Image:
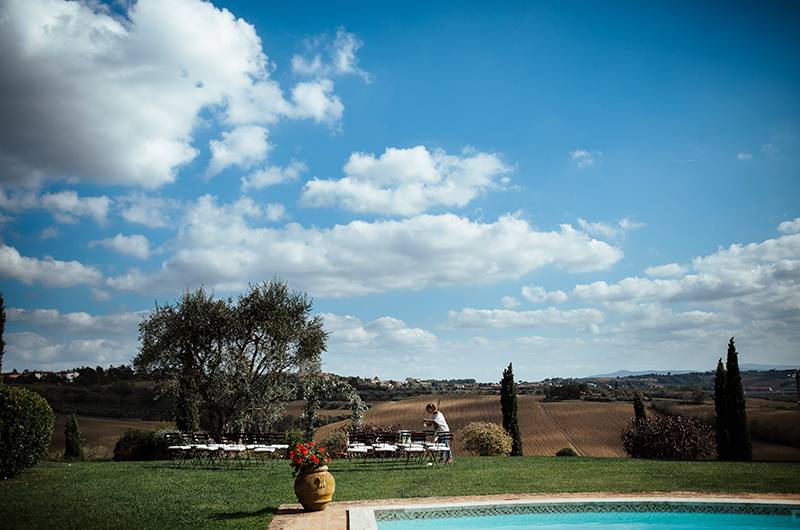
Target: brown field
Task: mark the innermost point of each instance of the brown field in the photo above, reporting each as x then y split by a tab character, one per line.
590	428
101	434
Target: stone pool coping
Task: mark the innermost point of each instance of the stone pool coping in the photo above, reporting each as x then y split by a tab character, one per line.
347	515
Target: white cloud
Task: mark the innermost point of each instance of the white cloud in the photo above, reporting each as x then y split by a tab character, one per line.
243	146
584	159
340	57
47	271
407	181
275	211
148	210
539	295
609	230
315	100
77	322
668	270
505	318
31	350
134	245
273	175
384	333
509	302
756	284
65	206
744	156
90	97
790	227
218	246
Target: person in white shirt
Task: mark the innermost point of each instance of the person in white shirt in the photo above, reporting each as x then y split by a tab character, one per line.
439	425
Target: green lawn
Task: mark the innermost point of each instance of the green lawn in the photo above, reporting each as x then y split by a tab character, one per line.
157	495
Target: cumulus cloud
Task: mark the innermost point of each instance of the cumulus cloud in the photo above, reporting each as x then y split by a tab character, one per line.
744	156
91	97
584	159
538	295
506	318
756	285
324	58
47	271
134	245
76	322
668	270
223	246
243	146
65	206
275	211
790	227
509	302
407	181
378	335
273	175
316	100
50	339
152	211
608	230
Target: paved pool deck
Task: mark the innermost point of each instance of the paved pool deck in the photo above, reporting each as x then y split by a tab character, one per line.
335	517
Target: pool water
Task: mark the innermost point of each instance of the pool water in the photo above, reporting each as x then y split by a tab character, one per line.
601	521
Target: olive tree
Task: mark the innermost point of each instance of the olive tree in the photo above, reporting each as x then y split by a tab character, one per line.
242	359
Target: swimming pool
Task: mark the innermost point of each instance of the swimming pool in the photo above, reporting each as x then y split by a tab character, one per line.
639	514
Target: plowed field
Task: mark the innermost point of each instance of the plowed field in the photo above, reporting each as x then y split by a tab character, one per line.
590	428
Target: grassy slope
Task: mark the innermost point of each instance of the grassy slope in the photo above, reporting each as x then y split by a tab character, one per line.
156	495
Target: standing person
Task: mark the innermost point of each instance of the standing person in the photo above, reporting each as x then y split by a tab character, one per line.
440	426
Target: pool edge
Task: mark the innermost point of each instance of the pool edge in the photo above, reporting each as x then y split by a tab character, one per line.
364	518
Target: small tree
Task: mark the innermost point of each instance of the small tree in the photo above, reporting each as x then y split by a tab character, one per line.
72	435
738	433
720	412
638	407
508	405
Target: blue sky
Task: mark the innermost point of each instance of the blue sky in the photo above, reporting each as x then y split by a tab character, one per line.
574	187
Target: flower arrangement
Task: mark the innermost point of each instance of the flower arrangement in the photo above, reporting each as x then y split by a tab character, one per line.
305	457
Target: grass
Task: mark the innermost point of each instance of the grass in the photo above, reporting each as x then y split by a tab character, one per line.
157	495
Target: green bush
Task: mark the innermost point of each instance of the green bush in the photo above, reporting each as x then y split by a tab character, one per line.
26	426
136	444
294	437
567	451
335	442
485	439
669	438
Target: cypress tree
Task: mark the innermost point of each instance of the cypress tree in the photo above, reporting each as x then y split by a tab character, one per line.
508	405
72	436
638	407
720	410
739	435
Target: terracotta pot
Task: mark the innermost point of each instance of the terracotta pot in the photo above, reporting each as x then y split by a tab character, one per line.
314	488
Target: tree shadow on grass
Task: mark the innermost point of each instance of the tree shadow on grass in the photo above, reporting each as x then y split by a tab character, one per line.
229	516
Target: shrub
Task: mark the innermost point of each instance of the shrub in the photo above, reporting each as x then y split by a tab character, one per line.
485	439
669	438
136	444
567	451
335	442
294	437
72	436
26	426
